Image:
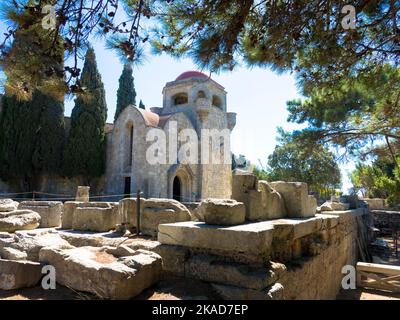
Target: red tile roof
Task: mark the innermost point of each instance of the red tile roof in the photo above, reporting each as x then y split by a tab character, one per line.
151	118
192	74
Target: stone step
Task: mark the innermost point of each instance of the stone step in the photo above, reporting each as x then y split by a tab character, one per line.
211	269
251	240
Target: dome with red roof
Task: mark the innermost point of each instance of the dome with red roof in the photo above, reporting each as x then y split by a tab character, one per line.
192	74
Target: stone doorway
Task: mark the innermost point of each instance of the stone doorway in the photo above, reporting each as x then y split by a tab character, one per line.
177	189
127	187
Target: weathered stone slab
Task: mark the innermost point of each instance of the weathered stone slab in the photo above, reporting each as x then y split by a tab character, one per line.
292	229
97	271
223	212
173	258
242	182
82	194
212	269
7	205
50	212
335	206
128	209
160	211
253	239
19	274
91	238
227	292
94	218
12	254
68	214
265	203
376	203
328	221
19	220
30	242
297	201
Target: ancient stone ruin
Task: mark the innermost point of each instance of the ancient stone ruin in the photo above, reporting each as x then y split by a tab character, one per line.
266	242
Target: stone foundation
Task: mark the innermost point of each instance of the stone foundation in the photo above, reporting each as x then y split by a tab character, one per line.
277	259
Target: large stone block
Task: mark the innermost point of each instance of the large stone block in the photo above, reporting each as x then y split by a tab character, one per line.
376	203
335	206
7	205
160	211
12	254
82	194
265	203
27	244
94	219
251	241
223	212
19	274
19	220
242	183
292	229
103	272
213	269
297	201
68	214
128	210
50	212
173	258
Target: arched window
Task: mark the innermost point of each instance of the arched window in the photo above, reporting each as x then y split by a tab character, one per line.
129	145
217	102
201	94
180	98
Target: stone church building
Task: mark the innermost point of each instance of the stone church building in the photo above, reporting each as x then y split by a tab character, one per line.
192	101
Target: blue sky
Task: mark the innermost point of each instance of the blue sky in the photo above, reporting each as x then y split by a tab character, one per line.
258	96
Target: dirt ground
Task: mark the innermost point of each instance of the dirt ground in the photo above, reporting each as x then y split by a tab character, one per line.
172	289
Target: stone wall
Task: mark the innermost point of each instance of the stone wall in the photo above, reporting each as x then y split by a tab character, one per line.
319	276
375	204
276	259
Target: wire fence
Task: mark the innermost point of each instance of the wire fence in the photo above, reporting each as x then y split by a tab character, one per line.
45	196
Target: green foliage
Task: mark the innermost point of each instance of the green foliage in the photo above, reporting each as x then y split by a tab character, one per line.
261	173
31	137
285	35
85	150
35	59
141	105
354	113
32	122
126	94
373	181
293	161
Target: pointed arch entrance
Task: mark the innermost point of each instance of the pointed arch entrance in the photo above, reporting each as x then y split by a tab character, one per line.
177	189
181	183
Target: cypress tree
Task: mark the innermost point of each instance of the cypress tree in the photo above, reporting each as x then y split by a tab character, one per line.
49	134
141	105
32	129
31	137
85	150
126	94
